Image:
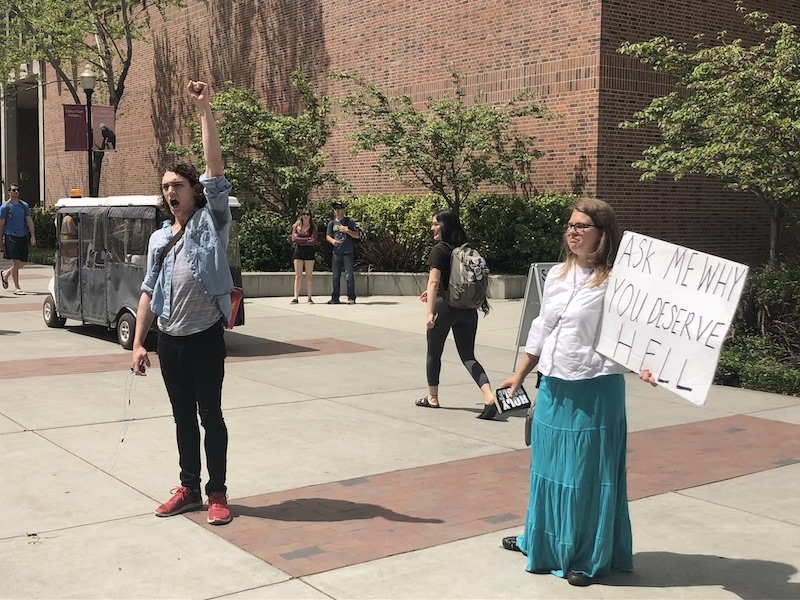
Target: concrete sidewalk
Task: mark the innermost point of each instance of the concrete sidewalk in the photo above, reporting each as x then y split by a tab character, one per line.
341	487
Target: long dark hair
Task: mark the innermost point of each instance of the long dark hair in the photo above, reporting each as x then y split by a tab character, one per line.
192	175
450	227
453	234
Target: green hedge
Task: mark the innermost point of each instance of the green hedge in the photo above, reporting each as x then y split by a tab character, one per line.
757	363
264	242
763	353
510	232
44	221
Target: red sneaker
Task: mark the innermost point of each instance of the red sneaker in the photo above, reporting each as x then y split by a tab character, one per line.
183	500
218	511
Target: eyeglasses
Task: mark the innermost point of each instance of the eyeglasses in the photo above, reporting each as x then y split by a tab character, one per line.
306	214
580	227
13	190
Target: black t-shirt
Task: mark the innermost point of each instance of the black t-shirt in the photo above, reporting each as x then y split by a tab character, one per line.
439	258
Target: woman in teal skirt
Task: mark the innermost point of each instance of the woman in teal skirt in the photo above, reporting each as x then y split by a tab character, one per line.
577	524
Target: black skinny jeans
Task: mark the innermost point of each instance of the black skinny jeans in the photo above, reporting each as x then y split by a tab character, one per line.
464	323
193	368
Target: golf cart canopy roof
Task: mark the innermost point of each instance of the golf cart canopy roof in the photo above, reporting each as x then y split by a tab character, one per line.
120	201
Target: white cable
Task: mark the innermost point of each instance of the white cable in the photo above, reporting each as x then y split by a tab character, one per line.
127	417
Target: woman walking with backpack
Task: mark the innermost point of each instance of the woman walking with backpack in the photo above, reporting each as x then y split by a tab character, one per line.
441	317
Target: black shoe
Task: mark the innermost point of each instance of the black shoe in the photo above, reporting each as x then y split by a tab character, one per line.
510	543
489	412
579	579
333	302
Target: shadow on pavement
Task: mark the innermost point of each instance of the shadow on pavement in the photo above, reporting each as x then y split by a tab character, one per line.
324	509
749	579
377	303
240	344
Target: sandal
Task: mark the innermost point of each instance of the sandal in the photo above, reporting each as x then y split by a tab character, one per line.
489	412
426	402
310	301
294	301
4	280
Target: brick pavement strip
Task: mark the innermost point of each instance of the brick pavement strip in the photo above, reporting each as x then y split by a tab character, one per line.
237	352
337	524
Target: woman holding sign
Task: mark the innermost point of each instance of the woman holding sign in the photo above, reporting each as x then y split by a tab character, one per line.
577	525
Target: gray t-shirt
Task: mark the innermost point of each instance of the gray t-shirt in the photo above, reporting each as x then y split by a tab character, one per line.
192	310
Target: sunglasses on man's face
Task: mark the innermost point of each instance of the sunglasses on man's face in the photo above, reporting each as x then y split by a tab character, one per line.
14	190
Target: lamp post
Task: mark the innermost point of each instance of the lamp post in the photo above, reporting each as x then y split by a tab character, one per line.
88	81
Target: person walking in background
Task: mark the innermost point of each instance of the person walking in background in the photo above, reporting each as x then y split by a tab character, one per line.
304	238
577	524
15	226
341	233
187	287
440	317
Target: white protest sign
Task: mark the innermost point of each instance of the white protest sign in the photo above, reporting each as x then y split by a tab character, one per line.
668	309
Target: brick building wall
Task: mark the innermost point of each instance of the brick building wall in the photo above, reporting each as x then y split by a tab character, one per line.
561	49
697	211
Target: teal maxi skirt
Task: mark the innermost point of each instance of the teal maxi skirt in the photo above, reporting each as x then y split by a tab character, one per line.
578	505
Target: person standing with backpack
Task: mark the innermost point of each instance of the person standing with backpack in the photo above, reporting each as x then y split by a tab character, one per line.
453	309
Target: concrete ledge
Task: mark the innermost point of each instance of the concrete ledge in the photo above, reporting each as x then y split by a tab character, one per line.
259	285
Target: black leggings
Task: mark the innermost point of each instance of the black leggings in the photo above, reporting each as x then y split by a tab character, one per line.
464	323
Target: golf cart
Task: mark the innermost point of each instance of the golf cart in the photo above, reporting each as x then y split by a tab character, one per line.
101	258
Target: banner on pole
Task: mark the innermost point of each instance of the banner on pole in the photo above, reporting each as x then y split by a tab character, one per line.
668	309
76	136
103	128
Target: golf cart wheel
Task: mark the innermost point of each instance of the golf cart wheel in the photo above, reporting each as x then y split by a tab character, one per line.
51	318
126	330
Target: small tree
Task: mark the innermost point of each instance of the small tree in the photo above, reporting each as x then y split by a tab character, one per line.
450	148
735	114
276	160
67	33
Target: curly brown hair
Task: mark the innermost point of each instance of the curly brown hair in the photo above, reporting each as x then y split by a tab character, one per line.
192	175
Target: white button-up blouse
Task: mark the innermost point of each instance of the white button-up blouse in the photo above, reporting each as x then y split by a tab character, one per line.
564	334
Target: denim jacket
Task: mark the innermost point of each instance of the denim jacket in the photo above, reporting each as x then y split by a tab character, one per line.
205	244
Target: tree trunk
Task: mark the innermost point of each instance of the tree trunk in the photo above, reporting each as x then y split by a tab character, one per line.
775	218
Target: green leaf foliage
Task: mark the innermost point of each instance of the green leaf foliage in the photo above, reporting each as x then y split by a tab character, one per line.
68	34
44	223
755	362
734	115
64	33
763	352
264	241
512	232
274	161
509	232
450	147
